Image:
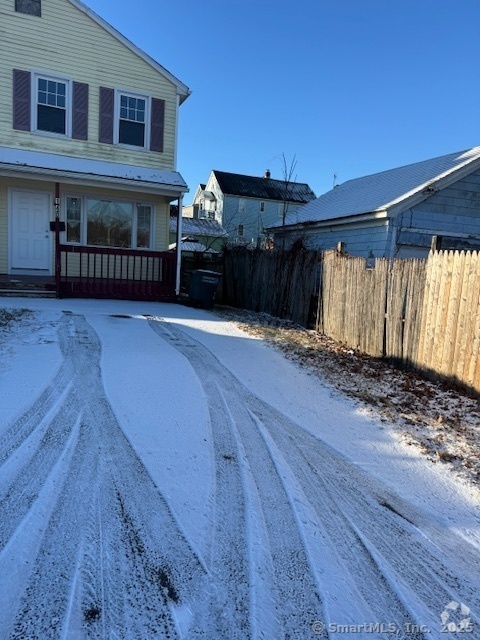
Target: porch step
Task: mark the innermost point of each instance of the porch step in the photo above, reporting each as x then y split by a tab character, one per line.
27	293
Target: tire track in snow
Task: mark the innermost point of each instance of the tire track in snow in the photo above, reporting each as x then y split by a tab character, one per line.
393	572
111	561
240	458
415	570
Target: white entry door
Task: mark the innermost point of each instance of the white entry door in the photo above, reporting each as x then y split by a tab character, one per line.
31	240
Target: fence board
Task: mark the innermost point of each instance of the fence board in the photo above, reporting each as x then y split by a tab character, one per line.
423	313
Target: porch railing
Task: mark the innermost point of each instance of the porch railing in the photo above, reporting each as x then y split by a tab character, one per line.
103	272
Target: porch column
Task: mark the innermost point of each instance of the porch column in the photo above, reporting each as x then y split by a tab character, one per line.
179	245
58	264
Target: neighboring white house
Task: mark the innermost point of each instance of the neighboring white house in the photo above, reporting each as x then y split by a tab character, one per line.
245	205
395	213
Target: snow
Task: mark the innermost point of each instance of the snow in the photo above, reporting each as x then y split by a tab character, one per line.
94	169
146	439
380	191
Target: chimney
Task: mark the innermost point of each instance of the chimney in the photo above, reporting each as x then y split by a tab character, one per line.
267	174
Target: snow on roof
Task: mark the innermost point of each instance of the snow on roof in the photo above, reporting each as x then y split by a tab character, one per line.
380	191
192	245
200	227
85	168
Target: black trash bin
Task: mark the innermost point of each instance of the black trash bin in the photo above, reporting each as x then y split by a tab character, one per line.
202	286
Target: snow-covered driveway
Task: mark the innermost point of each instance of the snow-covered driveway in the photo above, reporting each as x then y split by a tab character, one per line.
164	475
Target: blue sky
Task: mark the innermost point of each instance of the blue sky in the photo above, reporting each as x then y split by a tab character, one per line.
350	87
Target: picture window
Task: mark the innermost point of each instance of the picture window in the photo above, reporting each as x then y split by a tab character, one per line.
108	223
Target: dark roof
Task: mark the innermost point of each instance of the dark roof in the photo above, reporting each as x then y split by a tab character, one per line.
235	184
207	228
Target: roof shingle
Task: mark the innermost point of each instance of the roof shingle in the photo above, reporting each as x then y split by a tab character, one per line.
236	184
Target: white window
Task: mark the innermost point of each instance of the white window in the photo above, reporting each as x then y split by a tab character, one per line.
108	223
51	105
241	205
282	208
132	124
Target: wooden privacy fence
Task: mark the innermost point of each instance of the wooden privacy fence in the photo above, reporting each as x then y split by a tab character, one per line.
376	310
424	314
449	342
281	283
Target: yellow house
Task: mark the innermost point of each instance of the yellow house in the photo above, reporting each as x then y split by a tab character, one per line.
88	134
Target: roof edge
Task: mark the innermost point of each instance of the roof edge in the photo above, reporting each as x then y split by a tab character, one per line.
182	90
358	217
447	177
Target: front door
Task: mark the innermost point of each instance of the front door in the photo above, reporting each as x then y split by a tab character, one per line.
31	241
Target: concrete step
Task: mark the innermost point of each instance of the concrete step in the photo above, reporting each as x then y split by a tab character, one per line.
27	293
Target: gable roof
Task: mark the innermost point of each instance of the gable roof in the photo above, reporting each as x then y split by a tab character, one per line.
236	184
182	90
382	191
194	226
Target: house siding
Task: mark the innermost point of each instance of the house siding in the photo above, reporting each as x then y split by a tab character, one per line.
161	205
368	239
253	220
94	57
451	211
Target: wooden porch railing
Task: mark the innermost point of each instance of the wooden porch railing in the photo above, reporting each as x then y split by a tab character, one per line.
103	272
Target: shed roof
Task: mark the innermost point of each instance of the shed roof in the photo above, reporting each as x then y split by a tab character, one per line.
194	226
381	191
57	167
236	184
193	246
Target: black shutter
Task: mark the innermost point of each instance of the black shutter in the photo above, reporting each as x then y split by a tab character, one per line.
106	115
157	125
22	99
80	111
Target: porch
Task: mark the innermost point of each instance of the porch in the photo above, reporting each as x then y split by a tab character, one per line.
103	272
100	272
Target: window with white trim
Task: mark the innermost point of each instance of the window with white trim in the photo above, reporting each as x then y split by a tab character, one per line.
241	205
133	121
52	104
108	223
240	230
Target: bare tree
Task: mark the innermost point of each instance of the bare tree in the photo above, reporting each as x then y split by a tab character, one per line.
289	179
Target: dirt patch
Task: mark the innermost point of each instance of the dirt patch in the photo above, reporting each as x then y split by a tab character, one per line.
442	421
9	316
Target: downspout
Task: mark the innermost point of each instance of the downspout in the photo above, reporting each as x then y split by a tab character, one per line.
179	245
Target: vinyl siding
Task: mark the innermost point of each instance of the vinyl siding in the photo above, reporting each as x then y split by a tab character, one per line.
368	239
453	210
252	218
161	223
66	41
